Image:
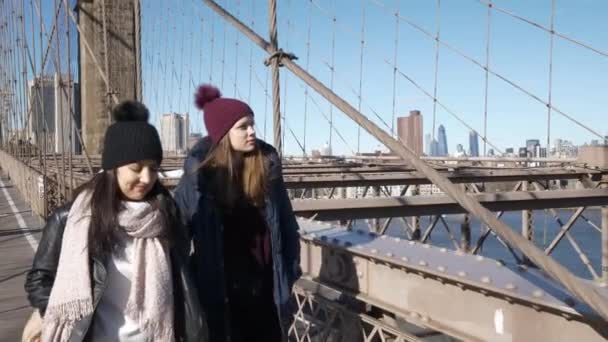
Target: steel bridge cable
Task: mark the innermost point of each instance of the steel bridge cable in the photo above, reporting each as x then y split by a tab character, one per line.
105	58
276	108
71	101
451	112
486	74
223	54
286	79
549	96
327	118
496	74
540	26
268	97
437	35
332	71
378	116
360	95
307	68
252	23
395	55
580	289
236	48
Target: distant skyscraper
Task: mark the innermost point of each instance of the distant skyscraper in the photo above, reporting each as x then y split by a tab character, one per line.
52	101
174	129
442	142
434	148
531	146
460	152
473	144
409	130
427	144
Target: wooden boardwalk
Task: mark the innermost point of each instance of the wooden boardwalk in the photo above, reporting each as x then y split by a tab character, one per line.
20	232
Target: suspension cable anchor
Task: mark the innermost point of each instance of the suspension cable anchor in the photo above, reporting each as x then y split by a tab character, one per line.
280	54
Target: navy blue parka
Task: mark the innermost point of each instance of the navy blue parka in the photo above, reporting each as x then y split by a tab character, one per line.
203	217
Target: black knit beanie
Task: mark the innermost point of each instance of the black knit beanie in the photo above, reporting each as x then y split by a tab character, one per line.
130	138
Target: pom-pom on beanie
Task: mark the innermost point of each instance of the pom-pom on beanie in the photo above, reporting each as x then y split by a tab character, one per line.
220	113
130	138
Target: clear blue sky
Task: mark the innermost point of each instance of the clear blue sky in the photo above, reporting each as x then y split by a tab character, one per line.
187	44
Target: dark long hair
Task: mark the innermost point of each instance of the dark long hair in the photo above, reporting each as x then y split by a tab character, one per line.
106	203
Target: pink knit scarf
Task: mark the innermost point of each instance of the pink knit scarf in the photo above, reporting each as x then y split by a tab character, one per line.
150	301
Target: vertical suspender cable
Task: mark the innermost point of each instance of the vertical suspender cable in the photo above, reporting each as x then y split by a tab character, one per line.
486	68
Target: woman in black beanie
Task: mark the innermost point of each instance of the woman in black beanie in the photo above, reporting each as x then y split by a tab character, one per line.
113	265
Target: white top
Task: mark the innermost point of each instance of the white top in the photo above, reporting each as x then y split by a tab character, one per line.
109	322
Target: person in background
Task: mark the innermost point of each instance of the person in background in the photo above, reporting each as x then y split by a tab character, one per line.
113	265
246	241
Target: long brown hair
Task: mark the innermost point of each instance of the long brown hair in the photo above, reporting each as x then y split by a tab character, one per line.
234	174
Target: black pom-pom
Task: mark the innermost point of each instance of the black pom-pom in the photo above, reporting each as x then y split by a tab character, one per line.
204	94
130	111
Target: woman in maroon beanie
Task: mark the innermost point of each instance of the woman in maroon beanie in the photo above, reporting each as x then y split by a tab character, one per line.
245	236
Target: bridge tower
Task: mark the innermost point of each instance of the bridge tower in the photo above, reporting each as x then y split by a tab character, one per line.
110	64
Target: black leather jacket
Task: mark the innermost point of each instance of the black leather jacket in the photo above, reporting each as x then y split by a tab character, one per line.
190	322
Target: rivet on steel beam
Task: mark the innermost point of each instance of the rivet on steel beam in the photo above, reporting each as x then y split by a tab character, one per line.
486	280
462	274
538	293
374	251
479	258
405	259
422	263
389	254
441	268
511	287
443	250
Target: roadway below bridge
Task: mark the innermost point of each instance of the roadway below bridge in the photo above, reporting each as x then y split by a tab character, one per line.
20	231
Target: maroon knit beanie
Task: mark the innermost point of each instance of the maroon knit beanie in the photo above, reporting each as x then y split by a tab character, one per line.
220	113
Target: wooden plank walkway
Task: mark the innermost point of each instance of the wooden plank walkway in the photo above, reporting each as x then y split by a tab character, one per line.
20	232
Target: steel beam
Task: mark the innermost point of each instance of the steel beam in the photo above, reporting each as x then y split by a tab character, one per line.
353	177
341	209
472	298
